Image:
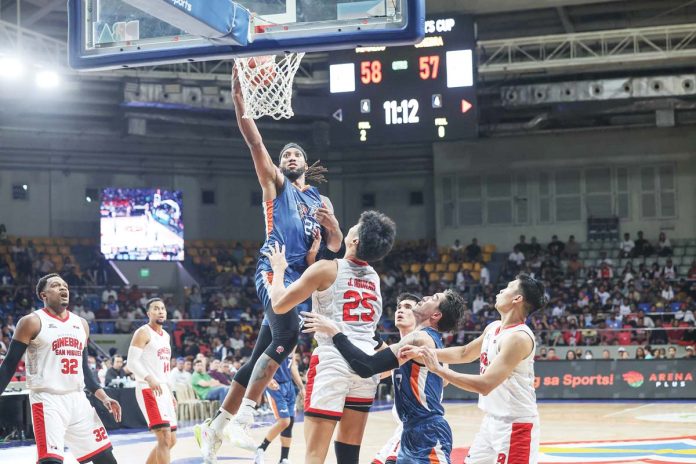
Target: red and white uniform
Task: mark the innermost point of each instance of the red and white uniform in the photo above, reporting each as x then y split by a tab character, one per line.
61	413
509	432
355	302
390	450
158	410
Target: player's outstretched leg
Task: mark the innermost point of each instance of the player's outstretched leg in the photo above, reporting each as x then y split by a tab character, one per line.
209	434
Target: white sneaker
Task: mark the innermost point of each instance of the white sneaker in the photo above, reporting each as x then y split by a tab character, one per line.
208	441
238	431
258	459
285	461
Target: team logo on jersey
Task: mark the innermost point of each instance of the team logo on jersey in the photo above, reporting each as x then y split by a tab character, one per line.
52	326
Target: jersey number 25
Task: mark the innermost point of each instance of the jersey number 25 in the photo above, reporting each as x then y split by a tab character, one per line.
356	299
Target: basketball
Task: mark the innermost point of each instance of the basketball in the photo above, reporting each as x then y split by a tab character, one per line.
262	71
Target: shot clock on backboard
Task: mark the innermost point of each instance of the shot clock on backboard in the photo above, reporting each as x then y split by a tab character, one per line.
421	93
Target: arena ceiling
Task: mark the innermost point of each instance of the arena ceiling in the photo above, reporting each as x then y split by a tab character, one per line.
95	104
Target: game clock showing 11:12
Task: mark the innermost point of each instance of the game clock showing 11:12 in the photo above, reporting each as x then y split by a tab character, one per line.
408	94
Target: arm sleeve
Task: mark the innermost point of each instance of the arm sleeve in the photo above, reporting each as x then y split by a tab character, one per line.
134	355
325	253
91	384
363	364
9	365
378	339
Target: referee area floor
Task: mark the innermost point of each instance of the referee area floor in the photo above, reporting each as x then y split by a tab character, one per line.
571	432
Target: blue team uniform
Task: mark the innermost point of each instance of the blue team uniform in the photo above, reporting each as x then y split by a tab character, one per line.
290	221
427	437
282	401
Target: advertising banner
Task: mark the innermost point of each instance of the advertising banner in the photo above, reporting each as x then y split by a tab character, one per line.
598	379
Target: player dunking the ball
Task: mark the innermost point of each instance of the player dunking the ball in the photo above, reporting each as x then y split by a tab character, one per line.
346	291
509	432
294	213
55	341
149	358
426	436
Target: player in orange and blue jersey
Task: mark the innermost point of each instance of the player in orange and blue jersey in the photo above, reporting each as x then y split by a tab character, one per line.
426	437
297	217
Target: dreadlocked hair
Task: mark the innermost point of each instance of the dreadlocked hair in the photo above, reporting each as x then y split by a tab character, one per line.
315	173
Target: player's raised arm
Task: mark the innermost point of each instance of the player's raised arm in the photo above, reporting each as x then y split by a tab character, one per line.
327	218
28	328
268	174
363	364
318	276
516	348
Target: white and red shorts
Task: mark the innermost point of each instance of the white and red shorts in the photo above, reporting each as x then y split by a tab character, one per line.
505	441
67	420
333	386
158	410
390	450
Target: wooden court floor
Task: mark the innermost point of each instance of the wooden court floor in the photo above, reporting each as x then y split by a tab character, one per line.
655	432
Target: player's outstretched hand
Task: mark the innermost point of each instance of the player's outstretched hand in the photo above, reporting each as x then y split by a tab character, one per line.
430	359
327	219
273	385
314	249
113	407
408	352
276	256
316	323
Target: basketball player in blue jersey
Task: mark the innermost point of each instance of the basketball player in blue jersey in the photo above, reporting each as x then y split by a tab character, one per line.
293	211
426	437
281	395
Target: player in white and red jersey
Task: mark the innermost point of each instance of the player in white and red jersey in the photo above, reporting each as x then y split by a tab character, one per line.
509	433
149	357
55	341
346	291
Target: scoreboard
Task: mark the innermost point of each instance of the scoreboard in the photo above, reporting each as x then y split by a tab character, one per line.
421	93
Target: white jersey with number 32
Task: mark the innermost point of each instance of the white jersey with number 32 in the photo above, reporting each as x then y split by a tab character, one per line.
54	357
515	397
156	358
354	300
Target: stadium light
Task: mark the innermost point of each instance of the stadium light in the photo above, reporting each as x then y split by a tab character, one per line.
47	79
10	67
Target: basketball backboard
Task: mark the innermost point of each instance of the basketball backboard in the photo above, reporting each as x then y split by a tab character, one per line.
109	34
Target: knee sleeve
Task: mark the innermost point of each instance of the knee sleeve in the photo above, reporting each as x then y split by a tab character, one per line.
346	454
262	342
287	431
285	331
105	457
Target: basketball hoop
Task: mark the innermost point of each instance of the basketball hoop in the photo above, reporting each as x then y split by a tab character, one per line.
266	83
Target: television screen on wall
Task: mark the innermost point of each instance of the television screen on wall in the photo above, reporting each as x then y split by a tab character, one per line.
142	224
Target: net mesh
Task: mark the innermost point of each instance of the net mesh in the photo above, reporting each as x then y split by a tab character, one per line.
266	83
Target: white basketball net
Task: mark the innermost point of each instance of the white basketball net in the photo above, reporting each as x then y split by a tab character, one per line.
267	84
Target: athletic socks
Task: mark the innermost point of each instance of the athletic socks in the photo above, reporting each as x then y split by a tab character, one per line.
284	452
220	421
265	444
245	415
346	454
